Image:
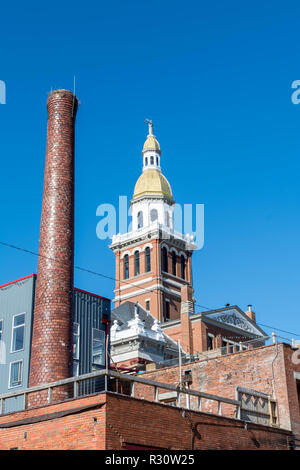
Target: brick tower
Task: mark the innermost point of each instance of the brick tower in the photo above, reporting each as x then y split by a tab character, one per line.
153	261
51	351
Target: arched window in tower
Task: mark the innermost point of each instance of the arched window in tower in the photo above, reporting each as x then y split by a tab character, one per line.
167	219
136	263
126	267
146	161
173	263
165	259
148	259
153	215
140	219
182	264
151	160
157	161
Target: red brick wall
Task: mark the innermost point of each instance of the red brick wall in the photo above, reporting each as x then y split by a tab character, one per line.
124	420
149	424
77	431
252	369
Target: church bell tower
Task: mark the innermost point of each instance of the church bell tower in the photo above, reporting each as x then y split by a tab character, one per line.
153	261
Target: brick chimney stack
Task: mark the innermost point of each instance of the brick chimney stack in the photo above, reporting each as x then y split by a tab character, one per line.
250	313
51	351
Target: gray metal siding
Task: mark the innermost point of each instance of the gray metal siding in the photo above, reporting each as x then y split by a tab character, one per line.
16	298
88	311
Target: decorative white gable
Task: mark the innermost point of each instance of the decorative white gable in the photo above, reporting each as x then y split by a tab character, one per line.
235	318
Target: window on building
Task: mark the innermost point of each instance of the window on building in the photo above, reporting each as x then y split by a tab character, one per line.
15	373
167	313
18	332
76	340
75	368
257	407
173	263
126	267
148	305
98	353
157	161
146	161
153	215
151	160
136	263
165	259
1	329
209	342
182	265
167	219
140	218
148	259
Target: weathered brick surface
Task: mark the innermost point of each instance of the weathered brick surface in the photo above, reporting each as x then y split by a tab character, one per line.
51	353
150	424
157	296
125	420
82	430
268	369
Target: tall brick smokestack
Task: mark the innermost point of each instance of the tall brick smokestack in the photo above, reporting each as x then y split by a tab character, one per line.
51	351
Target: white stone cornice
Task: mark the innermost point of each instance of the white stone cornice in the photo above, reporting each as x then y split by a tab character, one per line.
146	290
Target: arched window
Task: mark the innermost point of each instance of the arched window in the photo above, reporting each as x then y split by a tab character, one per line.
148	259
140	219
167	312
182	264
167	219
173	263
136	263
151	160
165	259
157	161
126	267
146	161
153	215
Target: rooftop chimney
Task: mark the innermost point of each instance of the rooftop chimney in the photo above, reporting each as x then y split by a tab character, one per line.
51	351
250	313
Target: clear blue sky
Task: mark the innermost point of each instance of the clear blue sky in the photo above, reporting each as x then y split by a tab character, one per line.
215	77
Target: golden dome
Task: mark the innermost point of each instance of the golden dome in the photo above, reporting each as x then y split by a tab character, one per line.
151	144
152	182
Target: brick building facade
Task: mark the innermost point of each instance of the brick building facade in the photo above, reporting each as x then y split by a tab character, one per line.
116	422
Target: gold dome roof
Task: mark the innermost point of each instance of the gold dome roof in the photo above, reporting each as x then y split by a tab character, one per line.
151	144
152	182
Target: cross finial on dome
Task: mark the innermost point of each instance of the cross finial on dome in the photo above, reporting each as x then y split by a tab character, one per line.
150	124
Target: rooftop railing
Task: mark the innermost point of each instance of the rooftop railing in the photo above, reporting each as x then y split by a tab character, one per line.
230	348
132	381
167	231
